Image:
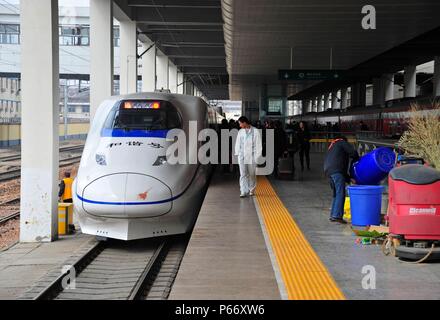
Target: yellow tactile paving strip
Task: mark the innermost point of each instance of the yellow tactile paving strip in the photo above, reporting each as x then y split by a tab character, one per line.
304	275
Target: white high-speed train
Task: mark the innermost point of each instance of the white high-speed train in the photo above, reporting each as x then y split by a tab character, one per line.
125	188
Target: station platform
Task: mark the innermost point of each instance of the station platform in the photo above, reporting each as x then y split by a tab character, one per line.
276	245
227	257
310	257
25	264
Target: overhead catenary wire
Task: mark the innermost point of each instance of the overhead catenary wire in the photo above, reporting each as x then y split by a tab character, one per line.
168	29
14	8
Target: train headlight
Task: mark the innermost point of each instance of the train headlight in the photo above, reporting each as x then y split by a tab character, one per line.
160	161
101	160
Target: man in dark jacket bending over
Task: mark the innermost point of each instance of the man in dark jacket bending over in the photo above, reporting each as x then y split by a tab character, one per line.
336	167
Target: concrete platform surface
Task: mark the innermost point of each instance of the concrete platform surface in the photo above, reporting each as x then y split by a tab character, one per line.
24	264
227	257
308	199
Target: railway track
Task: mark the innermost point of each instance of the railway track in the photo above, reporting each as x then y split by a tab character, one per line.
135	270
15	213
16	173
9	217
10	202
17	157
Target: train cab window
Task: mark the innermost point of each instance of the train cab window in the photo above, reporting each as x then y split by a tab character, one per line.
144	115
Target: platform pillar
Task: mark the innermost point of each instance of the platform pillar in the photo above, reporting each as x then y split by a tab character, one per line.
344	94
180	84
318	103
326	101
189	87
172	76
162	72
359	94
149	67
101	53
410	81
388	86
436	89
377	91
40	116
304	106
335	100
128	59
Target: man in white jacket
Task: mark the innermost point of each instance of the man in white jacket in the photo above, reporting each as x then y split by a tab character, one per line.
248	148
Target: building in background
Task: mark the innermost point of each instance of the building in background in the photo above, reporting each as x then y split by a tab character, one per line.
74	38
10	104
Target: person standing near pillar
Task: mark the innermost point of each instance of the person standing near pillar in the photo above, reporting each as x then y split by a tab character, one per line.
336	167
65	193
248	148
303	136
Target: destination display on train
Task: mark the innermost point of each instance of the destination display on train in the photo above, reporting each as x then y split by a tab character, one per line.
141	105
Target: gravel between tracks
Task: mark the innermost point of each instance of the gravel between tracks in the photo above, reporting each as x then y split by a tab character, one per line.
9	190
10	231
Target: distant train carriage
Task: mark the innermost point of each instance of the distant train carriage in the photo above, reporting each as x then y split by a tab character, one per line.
387	122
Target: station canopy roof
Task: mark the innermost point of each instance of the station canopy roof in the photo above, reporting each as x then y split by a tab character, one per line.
244	43
190	33
261	33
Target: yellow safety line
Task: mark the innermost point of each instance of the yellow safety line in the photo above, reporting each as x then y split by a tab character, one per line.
304	274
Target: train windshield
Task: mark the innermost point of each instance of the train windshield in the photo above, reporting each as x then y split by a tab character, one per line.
144	115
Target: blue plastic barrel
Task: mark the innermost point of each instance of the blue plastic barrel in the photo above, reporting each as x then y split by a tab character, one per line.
372	168
366	205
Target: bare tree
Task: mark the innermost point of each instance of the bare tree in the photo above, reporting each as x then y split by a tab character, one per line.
422	138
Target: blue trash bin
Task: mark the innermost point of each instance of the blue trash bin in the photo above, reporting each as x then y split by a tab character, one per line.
372	168
365	204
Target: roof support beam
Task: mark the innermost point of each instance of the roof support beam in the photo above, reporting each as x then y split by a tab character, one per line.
170	16
199	4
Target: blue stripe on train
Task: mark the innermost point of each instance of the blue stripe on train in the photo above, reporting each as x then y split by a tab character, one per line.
127	203
122	133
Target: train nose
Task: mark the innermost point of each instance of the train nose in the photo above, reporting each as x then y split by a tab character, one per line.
127	195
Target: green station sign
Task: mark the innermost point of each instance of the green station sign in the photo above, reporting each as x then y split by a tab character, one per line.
298	75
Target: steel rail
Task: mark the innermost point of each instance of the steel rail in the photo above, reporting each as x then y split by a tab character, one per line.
138	289
9	217
16	173
54	288
8	202
62	150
